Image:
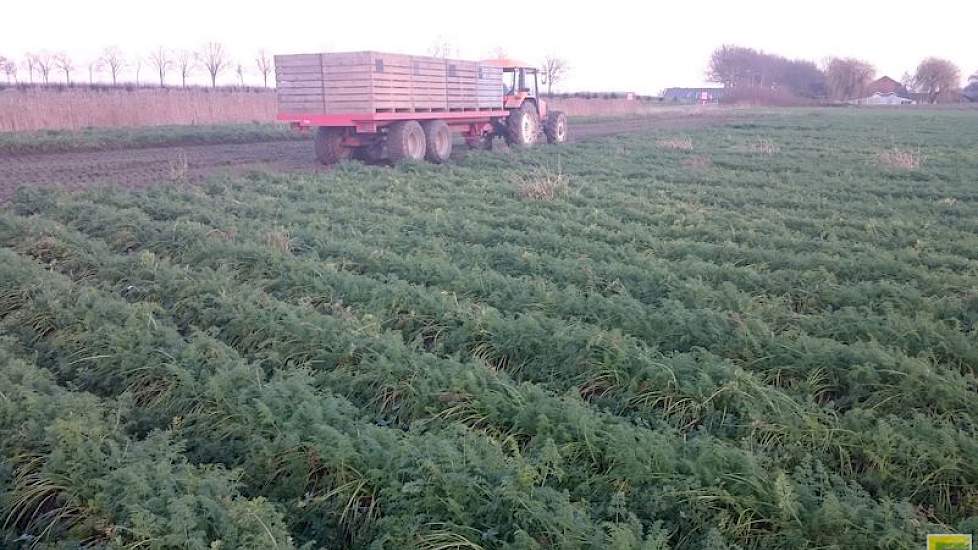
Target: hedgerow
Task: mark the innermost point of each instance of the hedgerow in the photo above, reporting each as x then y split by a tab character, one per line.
771	351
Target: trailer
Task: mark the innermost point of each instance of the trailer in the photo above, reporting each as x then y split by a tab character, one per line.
378	106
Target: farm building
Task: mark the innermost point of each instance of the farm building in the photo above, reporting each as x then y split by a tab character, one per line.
885	91
693	95
883	99
887	85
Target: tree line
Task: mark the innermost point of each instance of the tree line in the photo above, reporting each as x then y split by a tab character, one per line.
212	58
839	78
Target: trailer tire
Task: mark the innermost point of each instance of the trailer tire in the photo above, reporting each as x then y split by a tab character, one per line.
556	127
406	141
438	138
523	126
329	145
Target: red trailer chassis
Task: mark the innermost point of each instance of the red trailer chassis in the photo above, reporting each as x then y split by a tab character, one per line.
472	124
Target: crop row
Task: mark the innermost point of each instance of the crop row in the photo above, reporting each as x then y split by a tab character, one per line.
71	472
657	469
700	388
933	310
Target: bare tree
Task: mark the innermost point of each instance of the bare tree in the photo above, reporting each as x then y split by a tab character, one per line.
938	78
240	71
739	67
442	47
95	67
734	66
264	64
138	62
161	60
64	63
214	58
907	80
554	70
42	63
186	64
113	59
847	78
9	68
30	65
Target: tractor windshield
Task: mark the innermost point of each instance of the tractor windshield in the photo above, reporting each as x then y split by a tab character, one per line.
509	81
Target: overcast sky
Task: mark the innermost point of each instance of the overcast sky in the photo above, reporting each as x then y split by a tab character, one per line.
609	44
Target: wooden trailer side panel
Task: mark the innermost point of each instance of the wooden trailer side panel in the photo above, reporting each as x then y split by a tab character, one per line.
461	78
489	87
404	83
348	82
373	82
299	85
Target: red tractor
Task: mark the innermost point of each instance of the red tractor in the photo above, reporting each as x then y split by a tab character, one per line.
387	106
528	112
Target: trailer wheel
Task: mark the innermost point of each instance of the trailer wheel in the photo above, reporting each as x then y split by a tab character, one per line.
329	145
406	141
556	127
523	125
438	138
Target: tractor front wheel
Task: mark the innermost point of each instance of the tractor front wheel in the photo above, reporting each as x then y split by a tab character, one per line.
329	145
523	126
406	141
556	127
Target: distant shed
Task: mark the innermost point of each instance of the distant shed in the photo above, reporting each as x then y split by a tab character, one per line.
693	95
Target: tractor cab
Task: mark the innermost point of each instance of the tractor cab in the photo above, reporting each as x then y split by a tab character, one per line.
520	83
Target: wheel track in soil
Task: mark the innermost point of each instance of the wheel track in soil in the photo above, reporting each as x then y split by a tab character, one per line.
192	163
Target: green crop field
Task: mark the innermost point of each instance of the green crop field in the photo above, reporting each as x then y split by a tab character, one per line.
762	334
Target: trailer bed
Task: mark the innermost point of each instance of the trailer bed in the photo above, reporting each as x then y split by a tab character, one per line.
374	83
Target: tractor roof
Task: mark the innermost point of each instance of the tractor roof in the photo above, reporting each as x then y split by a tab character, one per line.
507	63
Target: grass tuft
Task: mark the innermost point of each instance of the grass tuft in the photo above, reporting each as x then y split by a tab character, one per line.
676	144
697	163
763	146
901	159
279	239
542	184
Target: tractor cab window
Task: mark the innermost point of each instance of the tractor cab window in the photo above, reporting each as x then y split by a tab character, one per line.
509	81
520	80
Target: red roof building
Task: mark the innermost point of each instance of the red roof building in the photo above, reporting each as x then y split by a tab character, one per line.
886	86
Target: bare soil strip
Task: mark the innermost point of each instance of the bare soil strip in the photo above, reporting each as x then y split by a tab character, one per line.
145	166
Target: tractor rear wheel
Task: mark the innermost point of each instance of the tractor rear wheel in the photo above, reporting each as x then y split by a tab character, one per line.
438	138
329	145
406	141
556	127
523	126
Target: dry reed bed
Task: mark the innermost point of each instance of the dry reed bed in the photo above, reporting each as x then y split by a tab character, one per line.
25	110
73	109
